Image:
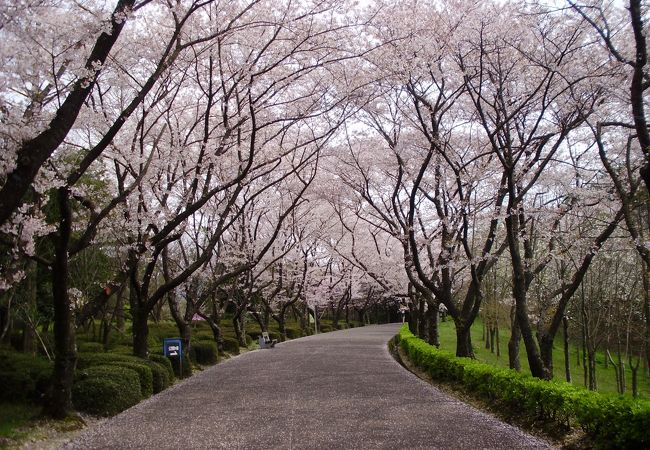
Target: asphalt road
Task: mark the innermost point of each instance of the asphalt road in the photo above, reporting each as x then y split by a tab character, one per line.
339	390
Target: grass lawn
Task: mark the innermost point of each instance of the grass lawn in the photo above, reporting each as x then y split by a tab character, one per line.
13	416
606	377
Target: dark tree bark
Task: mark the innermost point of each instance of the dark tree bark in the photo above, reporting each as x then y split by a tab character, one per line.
513	343
567	357
34	152
59	405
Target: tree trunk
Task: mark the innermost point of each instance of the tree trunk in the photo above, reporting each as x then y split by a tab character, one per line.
239	329
519	288
140	318
433	335
182	324
282	326
422	320
646	313
464	341
59	404
567	357
593	382
513	343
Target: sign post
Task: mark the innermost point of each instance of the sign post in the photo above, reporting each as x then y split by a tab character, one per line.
173	348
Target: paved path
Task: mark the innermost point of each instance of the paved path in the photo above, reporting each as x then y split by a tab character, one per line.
338	390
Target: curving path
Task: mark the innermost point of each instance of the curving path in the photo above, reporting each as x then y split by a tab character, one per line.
329	391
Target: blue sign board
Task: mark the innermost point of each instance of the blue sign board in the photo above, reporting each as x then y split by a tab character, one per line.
173	347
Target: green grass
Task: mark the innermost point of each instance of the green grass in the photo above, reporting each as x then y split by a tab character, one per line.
14	416
605	376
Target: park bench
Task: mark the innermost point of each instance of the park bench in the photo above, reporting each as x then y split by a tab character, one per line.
266	341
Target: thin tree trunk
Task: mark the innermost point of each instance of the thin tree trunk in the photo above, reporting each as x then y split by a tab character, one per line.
59	404
432	325
513	343
567	357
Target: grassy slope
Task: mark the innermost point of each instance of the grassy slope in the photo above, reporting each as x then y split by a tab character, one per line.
606	377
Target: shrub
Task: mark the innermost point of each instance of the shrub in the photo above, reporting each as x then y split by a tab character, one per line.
90	347
293	333
204	352
231	345
144	372
611	421
24	377
165	362
249	340
106	390
254	333
160	374
325	328
86	360
203	335
122	349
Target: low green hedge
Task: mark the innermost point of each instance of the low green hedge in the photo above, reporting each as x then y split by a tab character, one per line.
293	333
144	372
230	345
204	352
106	390
160	375
90	347
24	377
86	360
611	421
185	365
162	372
165	362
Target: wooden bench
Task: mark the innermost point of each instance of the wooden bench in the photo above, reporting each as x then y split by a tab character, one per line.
266	341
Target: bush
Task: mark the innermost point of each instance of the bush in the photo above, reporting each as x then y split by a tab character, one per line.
24	377
249	340
160	375
165	362
122	349
230	345
144	372
254	333
293	333
106	390
325	328
177	366
203	335
86	360
204	352
611	421
90	347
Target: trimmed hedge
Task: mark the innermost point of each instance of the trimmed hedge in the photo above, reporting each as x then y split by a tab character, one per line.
186	366
230	345
160	367
144	372
611	421
293	333
160	375
24	377
165	362
90	347
106	390
204	352
86	360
